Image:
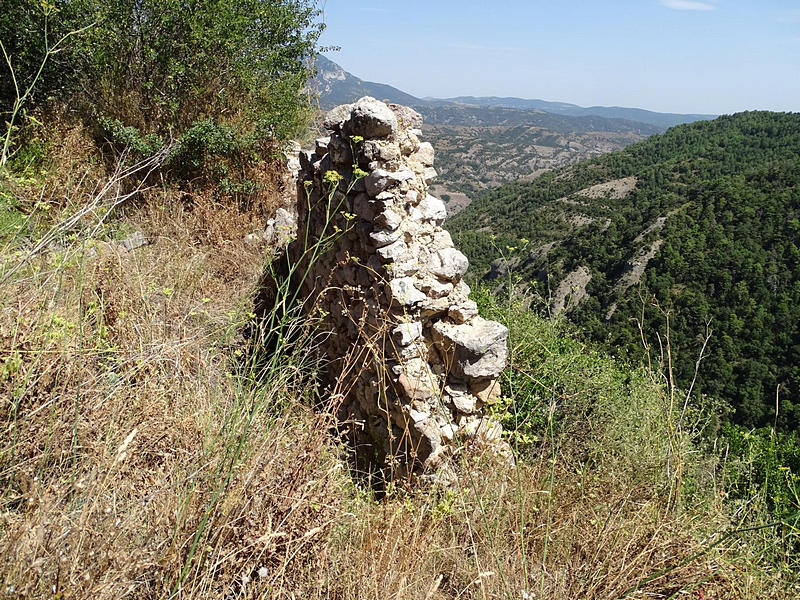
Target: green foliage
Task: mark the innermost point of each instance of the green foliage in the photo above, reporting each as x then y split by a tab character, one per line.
19	88
765	464
728	192
126	136
556	385
27	28
166	65
220	77
11	218
762	482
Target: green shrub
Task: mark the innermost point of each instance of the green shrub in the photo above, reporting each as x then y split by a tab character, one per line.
554	385
761	471
165	65
764	463
27	28
220	77
11	219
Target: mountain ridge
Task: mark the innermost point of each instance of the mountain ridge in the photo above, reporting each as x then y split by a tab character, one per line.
642	115
338	86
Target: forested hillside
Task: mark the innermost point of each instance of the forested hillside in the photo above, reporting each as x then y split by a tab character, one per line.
701	223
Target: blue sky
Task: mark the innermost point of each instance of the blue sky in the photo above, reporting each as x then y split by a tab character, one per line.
710	56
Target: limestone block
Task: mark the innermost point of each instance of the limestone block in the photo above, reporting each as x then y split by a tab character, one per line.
435	307
442	239
485	430
475	350
402	290
435	288
379	150
405	266
418	416
393	251
137	239
449	431
388	219
407	117
383	237
337	116
414	390
486	390
461	313
407	333
321	145
450	264
464	402
380	180
409	143
371	118
339	151
424	154
432	209
431	433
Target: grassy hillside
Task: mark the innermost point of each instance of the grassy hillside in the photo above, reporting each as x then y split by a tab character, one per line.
144	455
152	447
700	222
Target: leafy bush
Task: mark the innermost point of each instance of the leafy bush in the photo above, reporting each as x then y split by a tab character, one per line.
761	469
164	65
219	76
27	28
554	385
764	463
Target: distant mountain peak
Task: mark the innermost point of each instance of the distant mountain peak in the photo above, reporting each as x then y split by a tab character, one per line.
336	86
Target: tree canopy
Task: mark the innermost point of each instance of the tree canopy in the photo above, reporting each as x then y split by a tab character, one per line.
722	198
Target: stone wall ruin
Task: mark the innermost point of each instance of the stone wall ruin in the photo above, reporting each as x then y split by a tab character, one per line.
413	361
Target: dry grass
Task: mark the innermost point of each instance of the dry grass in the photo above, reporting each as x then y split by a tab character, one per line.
140	458
127	420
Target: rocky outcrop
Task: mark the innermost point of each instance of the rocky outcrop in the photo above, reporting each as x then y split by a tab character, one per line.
412	362
571	291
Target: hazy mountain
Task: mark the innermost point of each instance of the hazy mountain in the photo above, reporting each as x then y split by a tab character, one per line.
336	86
446	113
663	120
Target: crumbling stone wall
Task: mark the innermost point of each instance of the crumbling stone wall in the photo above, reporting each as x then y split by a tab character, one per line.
413	361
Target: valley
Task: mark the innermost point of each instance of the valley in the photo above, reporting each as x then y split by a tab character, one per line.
475	158
485	142
700	223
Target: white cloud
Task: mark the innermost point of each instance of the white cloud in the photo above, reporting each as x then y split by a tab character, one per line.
687	5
